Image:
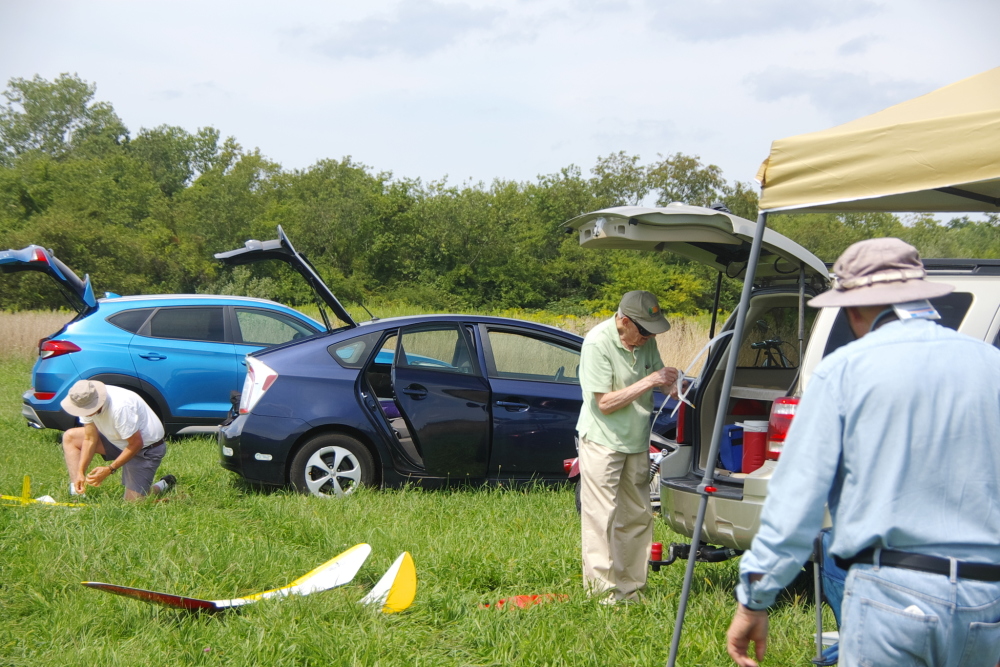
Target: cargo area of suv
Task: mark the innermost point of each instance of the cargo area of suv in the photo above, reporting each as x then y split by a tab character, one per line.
769	393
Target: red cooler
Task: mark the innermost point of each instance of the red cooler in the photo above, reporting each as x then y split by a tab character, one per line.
754	445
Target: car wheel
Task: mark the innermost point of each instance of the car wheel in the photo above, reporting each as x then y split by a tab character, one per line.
332	465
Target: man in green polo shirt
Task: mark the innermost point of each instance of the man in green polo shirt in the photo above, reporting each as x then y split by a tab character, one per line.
619	367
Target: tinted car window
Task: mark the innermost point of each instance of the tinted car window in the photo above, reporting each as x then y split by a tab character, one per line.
188	324
521	357
772	339
130	320
353	353
261	327
443	349
952	308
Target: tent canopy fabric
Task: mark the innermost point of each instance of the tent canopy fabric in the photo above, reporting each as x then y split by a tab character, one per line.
936	153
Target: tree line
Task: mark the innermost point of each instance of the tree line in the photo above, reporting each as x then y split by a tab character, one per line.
144	212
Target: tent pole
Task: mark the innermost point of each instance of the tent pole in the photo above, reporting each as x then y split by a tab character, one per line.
802	311
720	418
715	305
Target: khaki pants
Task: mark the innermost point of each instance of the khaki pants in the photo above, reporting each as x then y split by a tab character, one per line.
617	520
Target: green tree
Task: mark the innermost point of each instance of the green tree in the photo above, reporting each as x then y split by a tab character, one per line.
619	180
55	117
683	178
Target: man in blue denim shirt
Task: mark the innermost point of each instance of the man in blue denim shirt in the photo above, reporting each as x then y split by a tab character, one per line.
899	434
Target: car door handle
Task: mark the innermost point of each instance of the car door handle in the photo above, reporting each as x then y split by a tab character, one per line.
416	392
153	356
512	406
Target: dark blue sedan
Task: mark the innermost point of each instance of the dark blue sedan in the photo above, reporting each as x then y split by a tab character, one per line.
430	398
435	398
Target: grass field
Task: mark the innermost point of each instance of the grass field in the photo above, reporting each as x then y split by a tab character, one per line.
216	538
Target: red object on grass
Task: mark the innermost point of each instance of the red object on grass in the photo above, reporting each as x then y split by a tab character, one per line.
525	601
656	553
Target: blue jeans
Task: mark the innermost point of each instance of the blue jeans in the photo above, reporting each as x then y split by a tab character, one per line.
901	617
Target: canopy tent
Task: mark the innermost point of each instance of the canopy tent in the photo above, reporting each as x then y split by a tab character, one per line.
935	153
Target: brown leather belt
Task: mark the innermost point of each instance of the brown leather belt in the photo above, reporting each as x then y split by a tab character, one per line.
922	563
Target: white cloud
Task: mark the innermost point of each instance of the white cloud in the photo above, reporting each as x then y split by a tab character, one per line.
416	28
842	95
719	20
857	46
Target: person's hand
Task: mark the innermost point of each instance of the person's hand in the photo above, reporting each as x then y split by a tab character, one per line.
664	377
98	475
747	626
80	486
682	385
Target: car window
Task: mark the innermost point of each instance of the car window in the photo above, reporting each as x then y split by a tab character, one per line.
263	327
771	340
951	307
201	323
521	357
441	348
130	320
353	353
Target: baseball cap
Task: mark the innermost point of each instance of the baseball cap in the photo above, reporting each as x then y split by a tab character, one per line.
642	308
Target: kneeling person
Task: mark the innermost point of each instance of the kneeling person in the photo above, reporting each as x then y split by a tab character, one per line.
118	425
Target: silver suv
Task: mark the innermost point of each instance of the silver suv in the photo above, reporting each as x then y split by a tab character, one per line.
783	341
733	512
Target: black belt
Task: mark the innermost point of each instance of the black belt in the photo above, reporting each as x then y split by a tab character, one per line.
922	563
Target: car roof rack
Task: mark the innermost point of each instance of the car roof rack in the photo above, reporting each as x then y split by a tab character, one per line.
988	267
983	266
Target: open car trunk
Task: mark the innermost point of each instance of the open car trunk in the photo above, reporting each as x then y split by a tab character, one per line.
769	349
281	249
79	293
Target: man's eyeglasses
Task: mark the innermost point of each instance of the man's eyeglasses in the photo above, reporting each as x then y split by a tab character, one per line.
642	332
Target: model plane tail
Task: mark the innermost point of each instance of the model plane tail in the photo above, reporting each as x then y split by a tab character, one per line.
397	588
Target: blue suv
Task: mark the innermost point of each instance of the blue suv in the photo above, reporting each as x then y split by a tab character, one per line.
184	354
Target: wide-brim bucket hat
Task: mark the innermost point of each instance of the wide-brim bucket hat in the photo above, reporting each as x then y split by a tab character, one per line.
879	272
85	398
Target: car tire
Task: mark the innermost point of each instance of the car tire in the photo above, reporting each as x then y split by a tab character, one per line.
332	465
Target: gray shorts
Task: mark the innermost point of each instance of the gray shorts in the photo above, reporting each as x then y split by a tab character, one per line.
138	473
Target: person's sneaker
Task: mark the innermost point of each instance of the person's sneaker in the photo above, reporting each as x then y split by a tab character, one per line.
166	483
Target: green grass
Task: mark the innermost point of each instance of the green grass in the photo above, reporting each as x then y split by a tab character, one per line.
216	538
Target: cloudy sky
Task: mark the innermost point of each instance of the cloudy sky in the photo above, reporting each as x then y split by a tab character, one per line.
484	89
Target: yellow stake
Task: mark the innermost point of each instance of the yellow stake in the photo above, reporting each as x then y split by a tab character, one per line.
26	490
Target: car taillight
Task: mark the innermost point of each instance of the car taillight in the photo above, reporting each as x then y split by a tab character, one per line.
44	395
259	380
55	348
681	421
782	412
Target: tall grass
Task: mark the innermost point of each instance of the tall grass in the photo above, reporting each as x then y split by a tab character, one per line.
21	331
217	538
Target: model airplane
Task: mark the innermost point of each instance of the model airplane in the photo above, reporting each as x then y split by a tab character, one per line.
397	588
26	499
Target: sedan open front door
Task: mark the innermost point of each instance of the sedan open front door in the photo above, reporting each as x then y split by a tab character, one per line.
444	400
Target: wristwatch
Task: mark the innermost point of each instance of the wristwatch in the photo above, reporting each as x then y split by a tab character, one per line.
112	467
